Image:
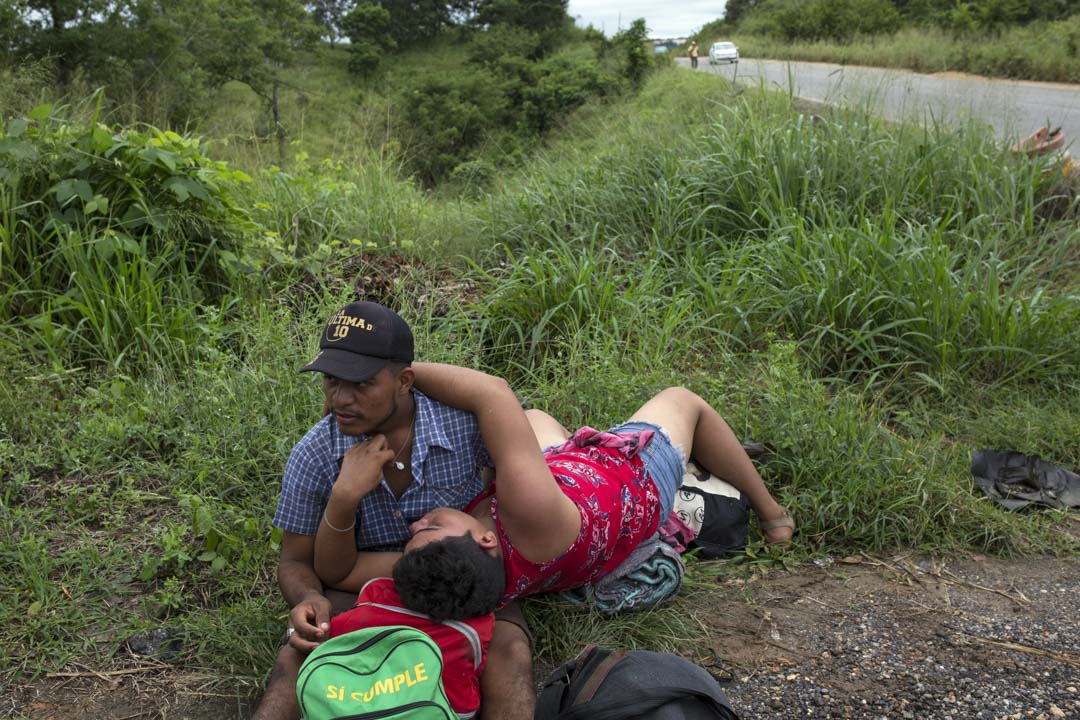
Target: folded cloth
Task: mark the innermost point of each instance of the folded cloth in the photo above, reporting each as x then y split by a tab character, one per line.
627	443
676	533
651	575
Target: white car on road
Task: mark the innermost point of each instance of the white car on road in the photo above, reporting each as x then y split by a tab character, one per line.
723	52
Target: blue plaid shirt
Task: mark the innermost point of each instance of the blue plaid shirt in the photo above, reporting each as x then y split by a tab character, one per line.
447	458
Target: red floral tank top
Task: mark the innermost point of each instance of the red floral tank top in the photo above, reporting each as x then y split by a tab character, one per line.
619	505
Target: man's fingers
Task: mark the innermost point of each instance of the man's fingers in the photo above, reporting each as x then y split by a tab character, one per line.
299	643
322	618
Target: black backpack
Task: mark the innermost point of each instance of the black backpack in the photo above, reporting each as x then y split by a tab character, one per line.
604	685
717	512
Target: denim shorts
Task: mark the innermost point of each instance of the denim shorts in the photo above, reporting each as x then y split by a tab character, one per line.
663	462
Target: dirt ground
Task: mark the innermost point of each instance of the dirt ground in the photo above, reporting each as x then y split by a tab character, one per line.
856	637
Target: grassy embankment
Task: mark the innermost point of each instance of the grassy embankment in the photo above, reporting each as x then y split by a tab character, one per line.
874	302
1045	51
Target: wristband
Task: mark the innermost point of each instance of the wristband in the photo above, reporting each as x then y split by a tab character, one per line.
337	529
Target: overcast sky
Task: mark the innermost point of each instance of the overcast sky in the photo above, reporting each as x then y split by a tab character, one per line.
671	18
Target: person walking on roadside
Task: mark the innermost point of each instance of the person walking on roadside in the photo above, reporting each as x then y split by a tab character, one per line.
434	454
692	53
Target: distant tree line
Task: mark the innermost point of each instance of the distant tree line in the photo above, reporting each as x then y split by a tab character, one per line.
844	19
527	65
176	52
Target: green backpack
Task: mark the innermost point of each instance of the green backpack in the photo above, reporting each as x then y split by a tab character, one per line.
378	672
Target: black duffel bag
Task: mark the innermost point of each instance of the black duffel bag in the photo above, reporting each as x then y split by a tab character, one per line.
604	685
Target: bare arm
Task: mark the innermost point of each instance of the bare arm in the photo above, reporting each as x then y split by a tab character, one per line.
369	565
309	610
335	554
540	519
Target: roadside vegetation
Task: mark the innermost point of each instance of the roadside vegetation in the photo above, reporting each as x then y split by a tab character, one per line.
1021	40
874	302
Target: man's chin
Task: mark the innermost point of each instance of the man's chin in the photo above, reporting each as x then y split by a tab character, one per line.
352	426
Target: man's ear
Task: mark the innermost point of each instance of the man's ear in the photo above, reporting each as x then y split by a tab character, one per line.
405	380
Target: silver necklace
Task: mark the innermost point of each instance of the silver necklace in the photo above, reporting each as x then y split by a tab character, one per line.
397	463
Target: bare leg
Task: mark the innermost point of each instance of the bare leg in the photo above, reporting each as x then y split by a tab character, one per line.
279	700
506	685
547	429
702	433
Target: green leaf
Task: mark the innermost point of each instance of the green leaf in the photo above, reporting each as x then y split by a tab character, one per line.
34	609
179	188
18	149
160	157
102	139
84	191
208	555
64	191
17	127
184	188
218	564
41	111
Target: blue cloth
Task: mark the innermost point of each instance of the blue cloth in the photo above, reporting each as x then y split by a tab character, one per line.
664	463
446	461
651	575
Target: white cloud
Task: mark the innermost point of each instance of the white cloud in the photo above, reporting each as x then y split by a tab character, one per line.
664	19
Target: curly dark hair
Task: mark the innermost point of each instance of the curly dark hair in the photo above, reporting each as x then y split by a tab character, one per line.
451	579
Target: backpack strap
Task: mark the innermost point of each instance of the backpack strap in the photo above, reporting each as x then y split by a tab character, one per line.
635	704
599	672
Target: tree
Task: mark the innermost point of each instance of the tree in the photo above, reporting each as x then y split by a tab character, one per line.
176	49
632	42
366	27
534	15
735	9
329	15
412	21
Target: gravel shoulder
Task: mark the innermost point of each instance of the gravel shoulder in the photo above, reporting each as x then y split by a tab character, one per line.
857	637
905	638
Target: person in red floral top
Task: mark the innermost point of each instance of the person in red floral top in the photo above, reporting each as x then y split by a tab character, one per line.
560	518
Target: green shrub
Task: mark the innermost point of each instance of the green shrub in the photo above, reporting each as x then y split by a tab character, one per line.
562	83
473	177
822	19
112	238
442	120
501	41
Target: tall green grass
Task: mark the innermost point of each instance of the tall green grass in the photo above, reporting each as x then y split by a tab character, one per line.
882	250
874	302
1039	51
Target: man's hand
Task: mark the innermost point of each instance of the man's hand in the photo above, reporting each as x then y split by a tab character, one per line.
361	470
310	619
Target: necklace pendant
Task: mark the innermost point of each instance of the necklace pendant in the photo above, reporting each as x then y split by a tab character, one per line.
399	465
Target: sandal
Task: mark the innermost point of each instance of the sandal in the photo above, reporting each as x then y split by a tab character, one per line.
784	521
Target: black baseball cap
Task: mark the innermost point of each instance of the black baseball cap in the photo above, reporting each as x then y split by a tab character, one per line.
359	340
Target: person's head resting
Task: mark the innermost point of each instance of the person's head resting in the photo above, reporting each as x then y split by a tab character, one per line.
452	568
365	353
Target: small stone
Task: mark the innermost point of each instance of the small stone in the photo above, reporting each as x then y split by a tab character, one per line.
1056	711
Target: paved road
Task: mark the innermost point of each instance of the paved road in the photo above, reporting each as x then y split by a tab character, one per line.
1011	107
